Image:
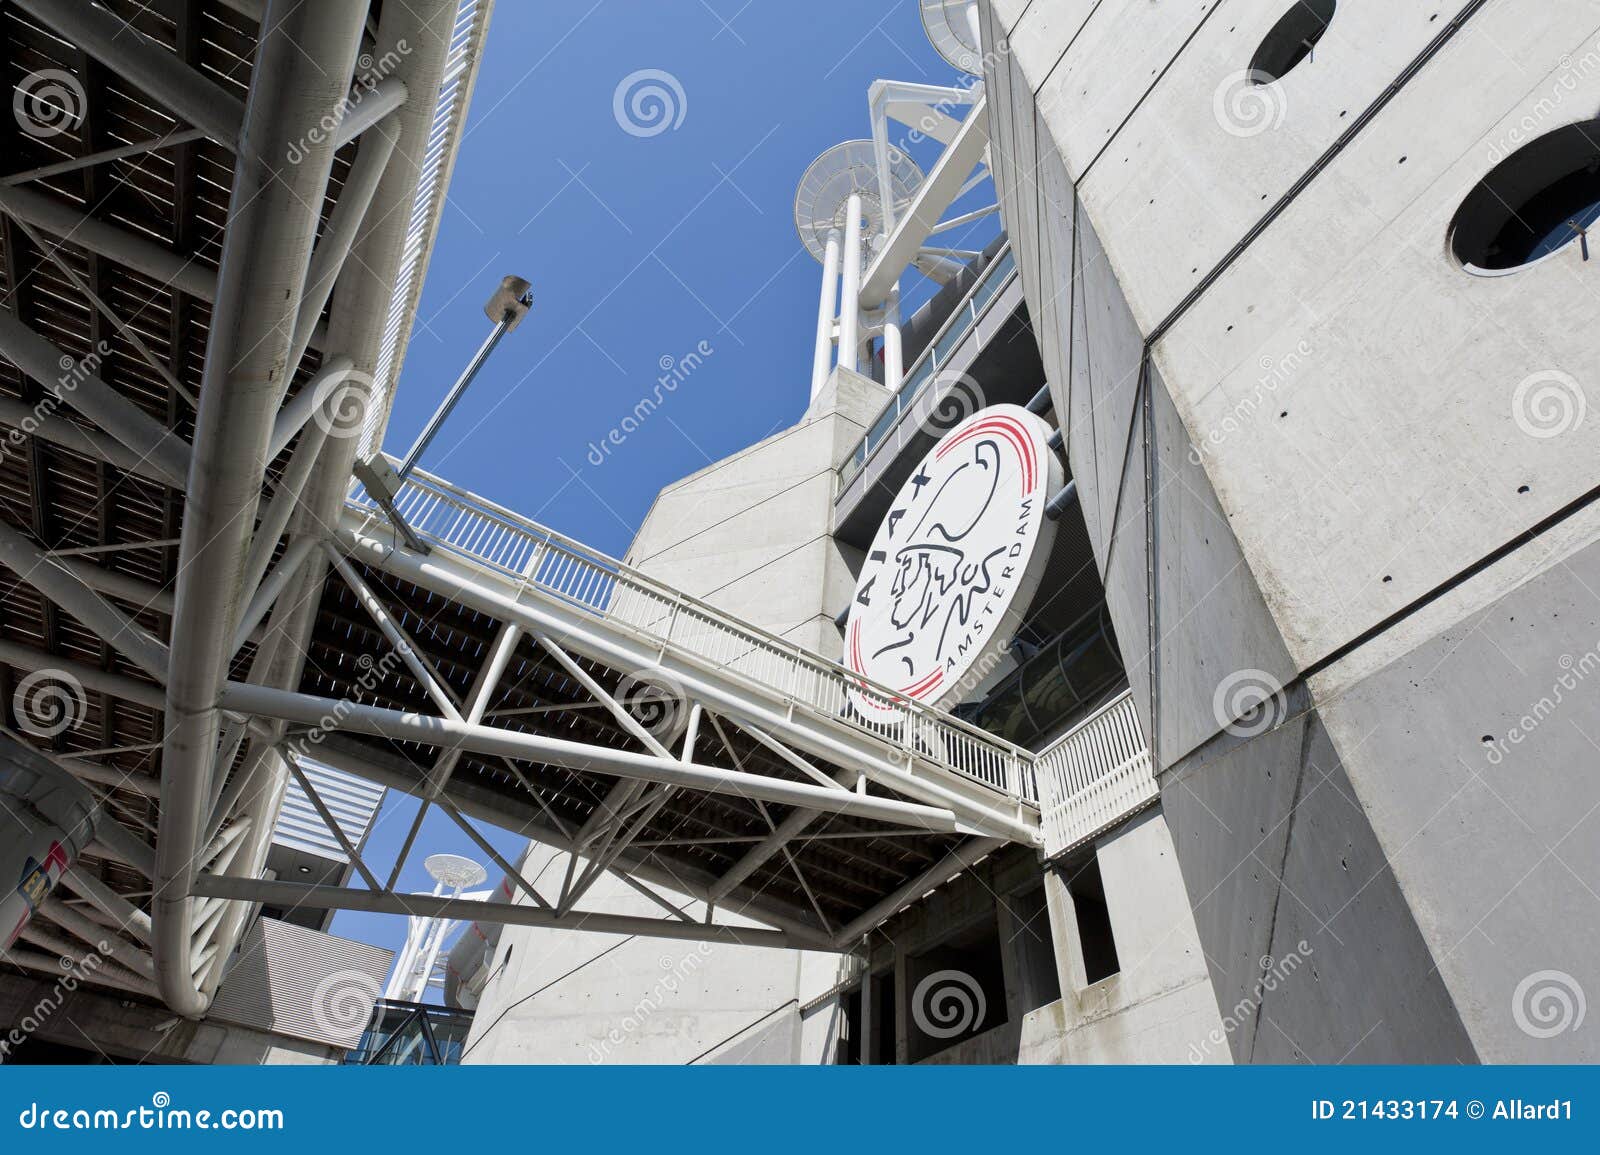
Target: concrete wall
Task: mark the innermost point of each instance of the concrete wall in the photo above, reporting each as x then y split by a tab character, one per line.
118	1029
1159	1006
1293	421
751	533
576	997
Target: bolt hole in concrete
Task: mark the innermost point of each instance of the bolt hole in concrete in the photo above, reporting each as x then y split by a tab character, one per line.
1292	39
1537	201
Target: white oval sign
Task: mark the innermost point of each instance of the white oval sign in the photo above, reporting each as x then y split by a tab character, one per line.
955	563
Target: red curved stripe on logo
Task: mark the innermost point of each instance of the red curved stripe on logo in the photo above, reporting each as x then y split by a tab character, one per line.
917	689
1012	431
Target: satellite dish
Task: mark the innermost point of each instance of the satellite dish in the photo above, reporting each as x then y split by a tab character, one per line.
824	192
455	871
949	25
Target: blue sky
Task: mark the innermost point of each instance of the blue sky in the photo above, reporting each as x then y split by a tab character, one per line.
639	248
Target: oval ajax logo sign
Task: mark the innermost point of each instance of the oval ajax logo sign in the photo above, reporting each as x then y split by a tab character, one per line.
955	563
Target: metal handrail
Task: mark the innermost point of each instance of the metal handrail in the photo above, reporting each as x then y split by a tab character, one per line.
491	535
1001	271
1094	776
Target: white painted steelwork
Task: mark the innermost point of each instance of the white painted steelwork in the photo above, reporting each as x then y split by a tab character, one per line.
543	562
1096	775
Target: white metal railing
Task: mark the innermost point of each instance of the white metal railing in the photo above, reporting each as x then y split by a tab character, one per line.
1094	776
491	535
925	368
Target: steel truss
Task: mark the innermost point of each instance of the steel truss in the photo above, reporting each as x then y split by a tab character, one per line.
290	279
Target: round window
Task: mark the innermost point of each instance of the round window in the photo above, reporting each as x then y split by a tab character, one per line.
1539	199
1291	40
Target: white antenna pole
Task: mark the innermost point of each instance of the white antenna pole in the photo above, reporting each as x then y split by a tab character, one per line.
893	361
827	310
850	306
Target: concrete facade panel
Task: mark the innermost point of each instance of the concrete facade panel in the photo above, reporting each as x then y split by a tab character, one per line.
1350	411
1497	844
1208	152
1213	626
1115	59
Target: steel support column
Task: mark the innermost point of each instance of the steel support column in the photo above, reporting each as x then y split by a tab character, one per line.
302	69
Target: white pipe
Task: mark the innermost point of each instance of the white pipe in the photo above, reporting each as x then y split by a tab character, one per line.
310	710
314	897
850	304
894	369
827	310
301	69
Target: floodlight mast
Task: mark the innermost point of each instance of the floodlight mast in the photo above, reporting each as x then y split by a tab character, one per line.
413	968
510	303
845	202
383	480
848	207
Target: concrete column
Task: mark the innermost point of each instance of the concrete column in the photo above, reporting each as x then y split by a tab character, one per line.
1070	972
850	306
827	308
